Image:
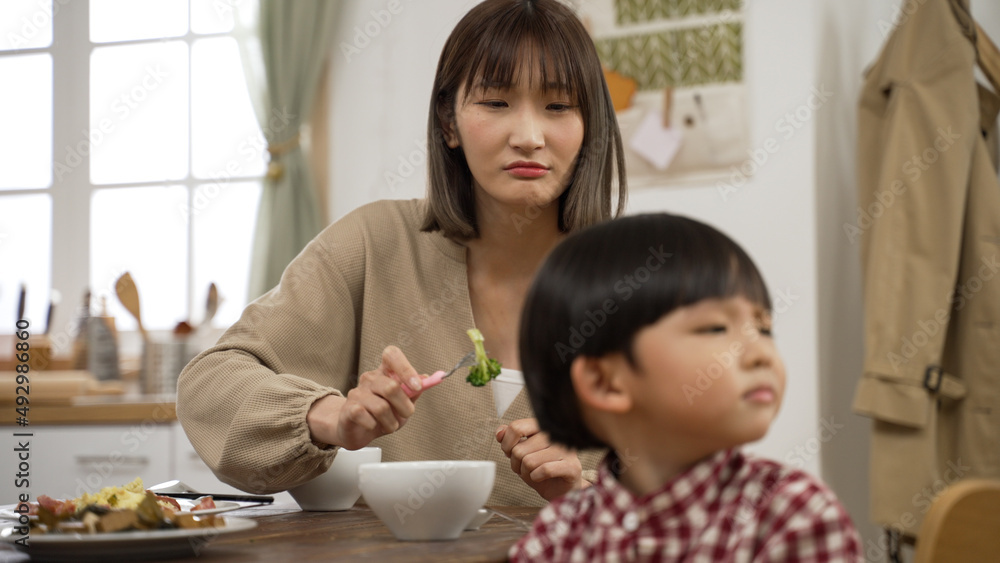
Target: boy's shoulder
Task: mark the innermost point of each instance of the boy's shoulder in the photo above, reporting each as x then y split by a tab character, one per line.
780	484
559	527
741	505
791	510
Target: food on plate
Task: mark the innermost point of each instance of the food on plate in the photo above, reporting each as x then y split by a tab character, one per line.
115	509
485	368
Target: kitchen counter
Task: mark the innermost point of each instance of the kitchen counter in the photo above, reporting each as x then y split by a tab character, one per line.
115	409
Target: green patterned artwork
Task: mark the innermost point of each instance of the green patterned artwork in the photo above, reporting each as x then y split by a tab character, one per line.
683	57
675	70
702	50
638	11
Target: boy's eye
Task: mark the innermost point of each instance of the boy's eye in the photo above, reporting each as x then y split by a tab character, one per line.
765	330
713	329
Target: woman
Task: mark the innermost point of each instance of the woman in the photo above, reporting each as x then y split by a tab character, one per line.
523	147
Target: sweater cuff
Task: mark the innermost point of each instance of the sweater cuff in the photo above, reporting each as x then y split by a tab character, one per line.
316	447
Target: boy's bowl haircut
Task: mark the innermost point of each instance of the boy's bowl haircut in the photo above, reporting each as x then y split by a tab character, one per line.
602	285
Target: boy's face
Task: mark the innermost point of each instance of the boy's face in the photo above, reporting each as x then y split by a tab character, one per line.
708	375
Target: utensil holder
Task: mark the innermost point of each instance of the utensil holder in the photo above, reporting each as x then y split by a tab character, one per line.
162	362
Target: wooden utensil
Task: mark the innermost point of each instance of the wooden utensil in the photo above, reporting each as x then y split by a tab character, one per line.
211	305
128	294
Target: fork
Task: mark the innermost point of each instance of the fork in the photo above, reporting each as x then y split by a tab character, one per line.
438	376
180	489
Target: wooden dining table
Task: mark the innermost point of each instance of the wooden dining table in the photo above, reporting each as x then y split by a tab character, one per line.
286	533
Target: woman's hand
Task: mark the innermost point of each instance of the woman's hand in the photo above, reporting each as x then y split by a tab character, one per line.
377	406
549	469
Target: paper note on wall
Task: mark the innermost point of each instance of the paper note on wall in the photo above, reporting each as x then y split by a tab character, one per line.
656	143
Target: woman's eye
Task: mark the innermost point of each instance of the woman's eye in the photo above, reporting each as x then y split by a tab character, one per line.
494	104
765	330
713	329
560	107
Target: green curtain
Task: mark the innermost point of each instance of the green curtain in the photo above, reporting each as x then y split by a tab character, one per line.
294	41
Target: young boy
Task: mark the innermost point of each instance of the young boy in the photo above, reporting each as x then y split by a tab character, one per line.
651	335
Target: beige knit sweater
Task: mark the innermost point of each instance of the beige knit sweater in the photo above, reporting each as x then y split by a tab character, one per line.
369	280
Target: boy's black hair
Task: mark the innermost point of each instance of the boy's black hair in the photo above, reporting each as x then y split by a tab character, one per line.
602	285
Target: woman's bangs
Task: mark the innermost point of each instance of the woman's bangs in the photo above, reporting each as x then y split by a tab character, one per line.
525	47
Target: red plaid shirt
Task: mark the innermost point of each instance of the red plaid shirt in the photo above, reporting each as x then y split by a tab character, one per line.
729	507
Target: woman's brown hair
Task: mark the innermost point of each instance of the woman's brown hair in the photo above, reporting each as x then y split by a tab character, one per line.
488	46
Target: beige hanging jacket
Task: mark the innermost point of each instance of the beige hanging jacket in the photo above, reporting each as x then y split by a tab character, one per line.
928	228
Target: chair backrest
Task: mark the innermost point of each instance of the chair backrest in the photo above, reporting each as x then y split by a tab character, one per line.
962	525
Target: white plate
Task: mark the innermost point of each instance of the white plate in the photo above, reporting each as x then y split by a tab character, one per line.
220	506
7	510
124	546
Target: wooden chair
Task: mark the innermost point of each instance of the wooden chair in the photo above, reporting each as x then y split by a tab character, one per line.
962	525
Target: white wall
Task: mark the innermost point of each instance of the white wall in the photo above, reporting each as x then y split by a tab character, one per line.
771	215
846	47
789	216
381	95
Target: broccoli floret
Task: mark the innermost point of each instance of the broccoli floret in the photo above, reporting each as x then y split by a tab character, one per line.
485	368
480	375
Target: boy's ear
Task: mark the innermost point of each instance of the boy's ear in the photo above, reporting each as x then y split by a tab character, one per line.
599	385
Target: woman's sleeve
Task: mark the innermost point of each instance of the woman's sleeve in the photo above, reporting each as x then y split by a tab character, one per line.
243	402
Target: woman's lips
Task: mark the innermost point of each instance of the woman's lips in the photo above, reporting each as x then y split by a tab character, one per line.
526	170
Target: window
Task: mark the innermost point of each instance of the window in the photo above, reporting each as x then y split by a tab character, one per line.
129	143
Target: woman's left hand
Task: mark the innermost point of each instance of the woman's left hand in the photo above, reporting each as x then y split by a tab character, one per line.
549	469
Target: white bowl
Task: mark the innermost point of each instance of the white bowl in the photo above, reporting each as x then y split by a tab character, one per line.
426	500
337	489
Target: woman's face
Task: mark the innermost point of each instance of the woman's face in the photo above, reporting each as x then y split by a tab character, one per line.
520	143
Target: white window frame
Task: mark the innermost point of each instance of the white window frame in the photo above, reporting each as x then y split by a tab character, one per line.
71	195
